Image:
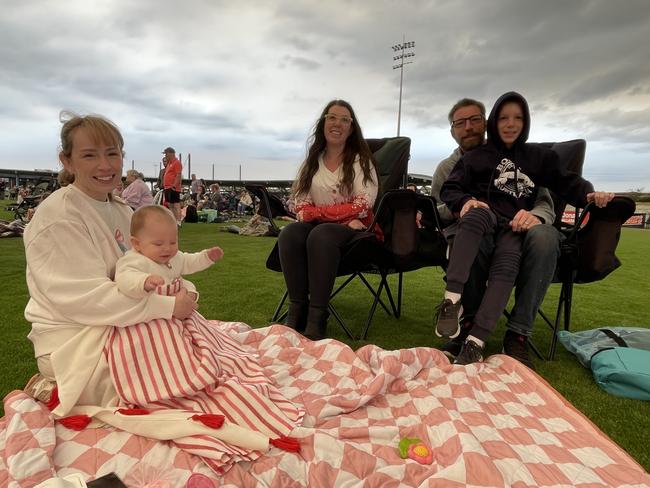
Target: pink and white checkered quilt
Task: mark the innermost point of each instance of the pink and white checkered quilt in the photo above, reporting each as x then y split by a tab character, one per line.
492	424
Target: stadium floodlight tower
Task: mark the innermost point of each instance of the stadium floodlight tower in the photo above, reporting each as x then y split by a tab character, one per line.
402	52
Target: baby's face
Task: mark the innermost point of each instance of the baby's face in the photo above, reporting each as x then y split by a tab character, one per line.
158	239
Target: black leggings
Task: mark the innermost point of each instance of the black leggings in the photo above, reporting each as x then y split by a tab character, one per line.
504	266
310	256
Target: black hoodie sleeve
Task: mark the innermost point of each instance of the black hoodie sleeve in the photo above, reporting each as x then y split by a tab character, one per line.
570	186
454	191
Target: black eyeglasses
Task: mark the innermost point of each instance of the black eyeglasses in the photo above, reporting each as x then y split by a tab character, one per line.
474	120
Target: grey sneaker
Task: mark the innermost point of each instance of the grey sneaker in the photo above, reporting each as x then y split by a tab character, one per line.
516	346
452	348
470	353
447	318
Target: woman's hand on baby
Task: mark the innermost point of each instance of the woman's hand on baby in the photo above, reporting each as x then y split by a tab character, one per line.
152	282
600	198
472	203
215	253
184	305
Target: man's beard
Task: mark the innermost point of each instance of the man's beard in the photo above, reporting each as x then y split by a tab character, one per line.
476	141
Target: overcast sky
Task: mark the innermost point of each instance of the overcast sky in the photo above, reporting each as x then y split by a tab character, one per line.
242	82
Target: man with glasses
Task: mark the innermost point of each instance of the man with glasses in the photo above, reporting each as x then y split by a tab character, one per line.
541	246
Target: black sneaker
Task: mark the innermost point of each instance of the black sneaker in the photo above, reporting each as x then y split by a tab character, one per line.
447	315
516	346
470	353
452	348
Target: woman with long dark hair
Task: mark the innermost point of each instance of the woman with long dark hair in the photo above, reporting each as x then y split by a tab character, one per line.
334	192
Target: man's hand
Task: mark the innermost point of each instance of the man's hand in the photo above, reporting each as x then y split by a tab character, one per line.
356	224
470	204
600	198
215	253
184	305
523	221
299	217
152	282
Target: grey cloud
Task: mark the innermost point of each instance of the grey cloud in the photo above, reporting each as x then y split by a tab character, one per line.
300	62
168	69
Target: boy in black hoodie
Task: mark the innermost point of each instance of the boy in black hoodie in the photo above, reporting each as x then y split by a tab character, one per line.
486	188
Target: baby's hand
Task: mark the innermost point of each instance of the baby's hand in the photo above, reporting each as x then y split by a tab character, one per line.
215	253
152	282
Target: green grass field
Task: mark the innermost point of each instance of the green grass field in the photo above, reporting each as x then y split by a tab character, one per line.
241	288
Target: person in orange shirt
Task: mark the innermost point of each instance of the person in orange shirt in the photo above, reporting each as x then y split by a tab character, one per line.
172	183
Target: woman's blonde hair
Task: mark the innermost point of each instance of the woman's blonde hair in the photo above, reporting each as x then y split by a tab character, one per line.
99	129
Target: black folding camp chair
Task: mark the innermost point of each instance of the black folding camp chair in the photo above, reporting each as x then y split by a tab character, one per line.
587	253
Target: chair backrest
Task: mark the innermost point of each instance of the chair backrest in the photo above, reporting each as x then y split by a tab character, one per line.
396	215
572	157
270	206
392	155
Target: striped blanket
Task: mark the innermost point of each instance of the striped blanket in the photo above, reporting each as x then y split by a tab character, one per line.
194	366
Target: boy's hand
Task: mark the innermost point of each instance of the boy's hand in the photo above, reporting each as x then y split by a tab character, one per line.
470	204
215	253
152	282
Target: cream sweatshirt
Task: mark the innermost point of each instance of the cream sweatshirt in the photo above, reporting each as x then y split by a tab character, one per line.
71	247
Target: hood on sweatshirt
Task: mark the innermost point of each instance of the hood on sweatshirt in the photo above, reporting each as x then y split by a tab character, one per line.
493	131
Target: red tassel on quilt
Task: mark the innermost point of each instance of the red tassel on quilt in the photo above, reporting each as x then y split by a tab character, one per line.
133	411
290	444
211	420
53	402
75	422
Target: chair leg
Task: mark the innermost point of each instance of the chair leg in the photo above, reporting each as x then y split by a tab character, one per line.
399	295
561	308
384	280
567	297
546	319
344	284
338	318
567	306
371	313
376	294
276	315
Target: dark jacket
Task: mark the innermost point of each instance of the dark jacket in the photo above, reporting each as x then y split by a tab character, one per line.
508	179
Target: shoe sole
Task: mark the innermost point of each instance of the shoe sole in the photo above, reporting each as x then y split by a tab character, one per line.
448	336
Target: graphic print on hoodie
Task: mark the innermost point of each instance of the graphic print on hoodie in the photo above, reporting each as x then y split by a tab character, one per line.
512	181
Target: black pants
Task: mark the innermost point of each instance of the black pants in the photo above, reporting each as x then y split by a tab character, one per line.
472	228
310	256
